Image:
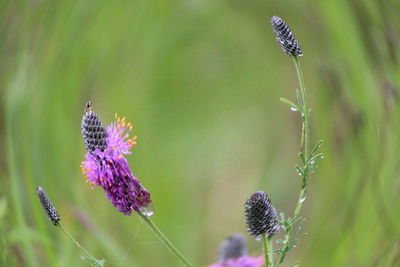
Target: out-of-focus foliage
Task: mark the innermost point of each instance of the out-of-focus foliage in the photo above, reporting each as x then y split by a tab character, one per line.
201	82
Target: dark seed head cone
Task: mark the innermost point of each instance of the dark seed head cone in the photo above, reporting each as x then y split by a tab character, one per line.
285	37
48	206
261	217
93	132
235	246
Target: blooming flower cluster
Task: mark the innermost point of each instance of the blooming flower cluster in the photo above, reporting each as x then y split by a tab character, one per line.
106	166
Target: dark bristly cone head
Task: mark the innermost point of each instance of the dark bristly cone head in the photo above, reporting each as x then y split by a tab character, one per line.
285	37
93	132
261	217
235	246
48	206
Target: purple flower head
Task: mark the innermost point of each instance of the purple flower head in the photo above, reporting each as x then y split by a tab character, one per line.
285	37
48	207
233	253
233	247
261	216
244	261
107	167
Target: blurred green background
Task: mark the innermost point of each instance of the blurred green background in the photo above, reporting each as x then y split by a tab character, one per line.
200	81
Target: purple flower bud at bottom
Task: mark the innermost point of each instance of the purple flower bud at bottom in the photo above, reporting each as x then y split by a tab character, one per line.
244	261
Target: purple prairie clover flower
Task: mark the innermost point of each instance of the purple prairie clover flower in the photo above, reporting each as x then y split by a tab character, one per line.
106	166
232	247
244	261
233	253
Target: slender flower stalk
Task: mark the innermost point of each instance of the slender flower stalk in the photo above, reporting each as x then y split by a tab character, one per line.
307	165
267	248
90	258
305	109
55	218
106	167
291	46
164	239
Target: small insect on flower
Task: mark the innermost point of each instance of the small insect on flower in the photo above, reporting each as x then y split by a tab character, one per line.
285	37
88	106
261	216
106	166
48	207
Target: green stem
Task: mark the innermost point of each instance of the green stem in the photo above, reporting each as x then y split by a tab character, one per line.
164	239
295	219
267	247
305	113
304	107
79	245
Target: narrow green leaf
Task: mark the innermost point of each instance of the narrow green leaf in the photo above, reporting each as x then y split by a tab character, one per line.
292	105
316	147
96	263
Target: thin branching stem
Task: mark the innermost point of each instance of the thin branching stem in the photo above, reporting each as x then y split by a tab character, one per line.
304	108
93	259
164	239
305	171
289	234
